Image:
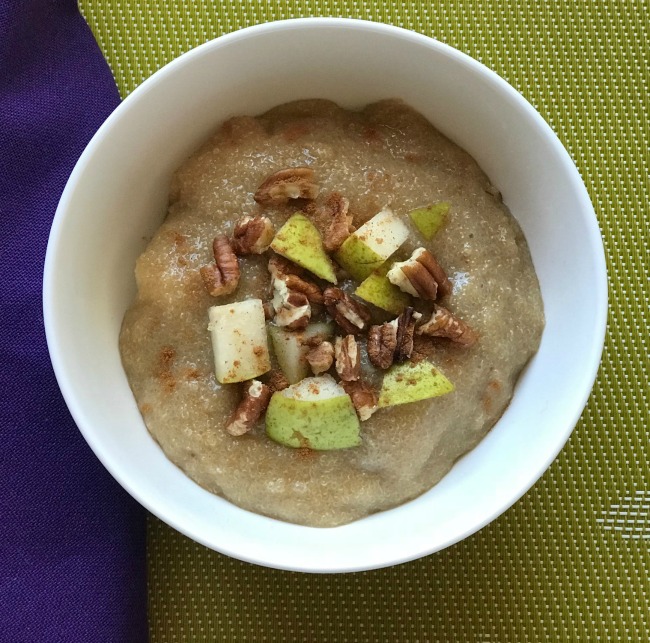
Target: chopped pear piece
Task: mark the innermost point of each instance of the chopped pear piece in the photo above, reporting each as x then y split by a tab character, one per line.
315	413
299	241
430	219
409	382
368	248
239	341
291	349
379	291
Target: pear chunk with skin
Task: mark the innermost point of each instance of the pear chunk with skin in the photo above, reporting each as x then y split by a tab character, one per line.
291	350
430	219
379	291
299	241
239	341
368	248
409	382
315	413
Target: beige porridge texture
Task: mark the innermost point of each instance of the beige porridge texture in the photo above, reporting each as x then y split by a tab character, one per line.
385	155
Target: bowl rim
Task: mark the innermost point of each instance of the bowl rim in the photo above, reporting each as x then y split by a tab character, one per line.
595	243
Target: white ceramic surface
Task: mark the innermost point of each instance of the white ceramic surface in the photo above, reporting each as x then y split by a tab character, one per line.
116	198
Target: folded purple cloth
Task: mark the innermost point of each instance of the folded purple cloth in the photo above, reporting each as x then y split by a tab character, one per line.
72	557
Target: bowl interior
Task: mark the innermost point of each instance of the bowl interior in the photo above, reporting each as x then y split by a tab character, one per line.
116	198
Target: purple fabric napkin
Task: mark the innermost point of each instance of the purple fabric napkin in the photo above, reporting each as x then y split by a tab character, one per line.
72	542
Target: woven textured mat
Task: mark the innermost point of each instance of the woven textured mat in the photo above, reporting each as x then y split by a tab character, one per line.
571	560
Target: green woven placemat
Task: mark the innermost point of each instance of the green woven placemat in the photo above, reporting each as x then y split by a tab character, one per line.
571	560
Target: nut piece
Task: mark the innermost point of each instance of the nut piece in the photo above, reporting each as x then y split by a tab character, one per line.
307	287
277	381
292	275
222	277
292	309
252	235
363	397
253	404
279	267
351	315
393	341
348	363
269	311
321	357
423	348
444	323
405	330
420	276
341	226
382	341
290	183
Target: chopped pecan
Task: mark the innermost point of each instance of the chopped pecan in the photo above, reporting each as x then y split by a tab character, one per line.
351	315
348	361
269	311
252	235
279	267
423	348
421	276
321	357
277	381
444	323
313	341
405	330
340	227
307	287
392	341
292	275
253	404
364	397
222	277
292	309
382	341
290	183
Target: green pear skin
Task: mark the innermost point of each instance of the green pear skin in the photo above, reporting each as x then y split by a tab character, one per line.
322	421
369	247
299	241
430	219
409	382
378	290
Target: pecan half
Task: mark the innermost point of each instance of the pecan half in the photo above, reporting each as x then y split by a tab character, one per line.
321	357
392	341
222	277
292	309
444	323
351	315
293	276
290	183
348	360
364	398
252	235
253	404
340	227
382	341
421	276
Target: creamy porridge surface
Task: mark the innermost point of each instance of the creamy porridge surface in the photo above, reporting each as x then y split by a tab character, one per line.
384	155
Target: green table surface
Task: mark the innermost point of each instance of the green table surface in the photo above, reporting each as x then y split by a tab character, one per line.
571	560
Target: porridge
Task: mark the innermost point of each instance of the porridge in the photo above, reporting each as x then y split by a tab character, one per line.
370	301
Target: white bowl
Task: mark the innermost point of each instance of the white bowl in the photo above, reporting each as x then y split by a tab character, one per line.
116	197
